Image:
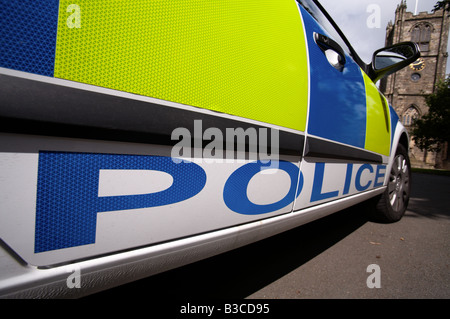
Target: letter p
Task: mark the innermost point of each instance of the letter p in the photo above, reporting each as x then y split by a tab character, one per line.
67	200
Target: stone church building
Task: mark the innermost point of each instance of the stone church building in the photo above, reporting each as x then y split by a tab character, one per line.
406	88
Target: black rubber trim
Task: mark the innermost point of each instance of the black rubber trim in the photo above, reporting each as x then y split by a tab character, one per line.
34	107
325	149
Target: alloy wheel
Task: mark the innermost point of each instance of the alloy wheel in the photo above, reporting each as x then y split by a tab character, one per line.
398	187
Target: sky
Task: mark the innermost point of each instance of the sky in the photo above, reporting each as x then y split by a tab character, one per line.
352	17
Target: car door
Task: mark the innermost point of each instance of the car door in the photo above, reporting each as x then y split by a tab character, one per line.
110	98
348	132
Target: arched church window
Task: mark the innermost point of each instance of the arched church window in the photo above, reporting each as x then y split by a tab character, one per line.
410	115
421	34
415	35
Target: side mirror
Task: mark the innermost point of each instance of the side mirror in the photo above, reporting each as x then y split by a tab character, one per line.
391	59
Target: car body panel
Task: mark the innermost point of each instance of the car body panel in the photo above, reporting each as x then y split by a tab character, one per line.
87	169
345	105
227	57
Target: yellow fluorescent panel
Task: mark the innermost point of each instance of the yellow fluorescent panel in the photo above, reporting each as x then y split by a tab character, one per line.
246	58
378	119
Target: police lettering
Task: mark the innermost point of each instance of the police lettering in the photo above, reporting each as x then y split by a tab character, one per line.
375	179
68	198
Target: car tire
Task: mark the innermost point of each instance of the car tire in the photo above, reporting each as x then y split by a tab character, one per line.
391	205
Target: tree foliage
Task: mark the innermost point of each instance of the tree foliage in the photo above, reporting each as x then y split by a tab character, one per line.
442	4
433	129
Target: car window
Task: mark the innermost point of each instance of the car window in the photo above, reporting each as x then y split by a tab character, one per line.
319	14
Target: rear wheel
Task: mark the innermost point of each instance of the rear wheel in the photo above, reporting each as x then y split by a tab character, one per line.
391	205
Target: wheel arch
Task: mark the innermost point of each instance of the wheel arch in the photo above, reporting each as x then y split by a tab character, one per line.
400	137
404	140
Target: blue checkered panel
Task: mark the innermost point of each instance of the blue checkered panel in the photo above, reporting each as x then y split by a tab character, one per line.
28	35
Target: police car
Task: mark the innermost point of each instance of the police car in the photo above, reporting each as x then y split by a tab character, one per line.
141	136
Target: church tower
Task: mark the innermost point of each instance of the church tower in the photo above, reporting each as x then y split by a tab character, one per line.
407	88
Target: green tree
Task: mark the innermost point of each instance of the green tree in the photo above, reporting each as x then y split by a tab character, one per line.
442	4
432	130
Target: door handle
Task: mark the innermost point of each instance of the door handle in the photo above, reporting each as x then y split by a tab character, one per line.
332	50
